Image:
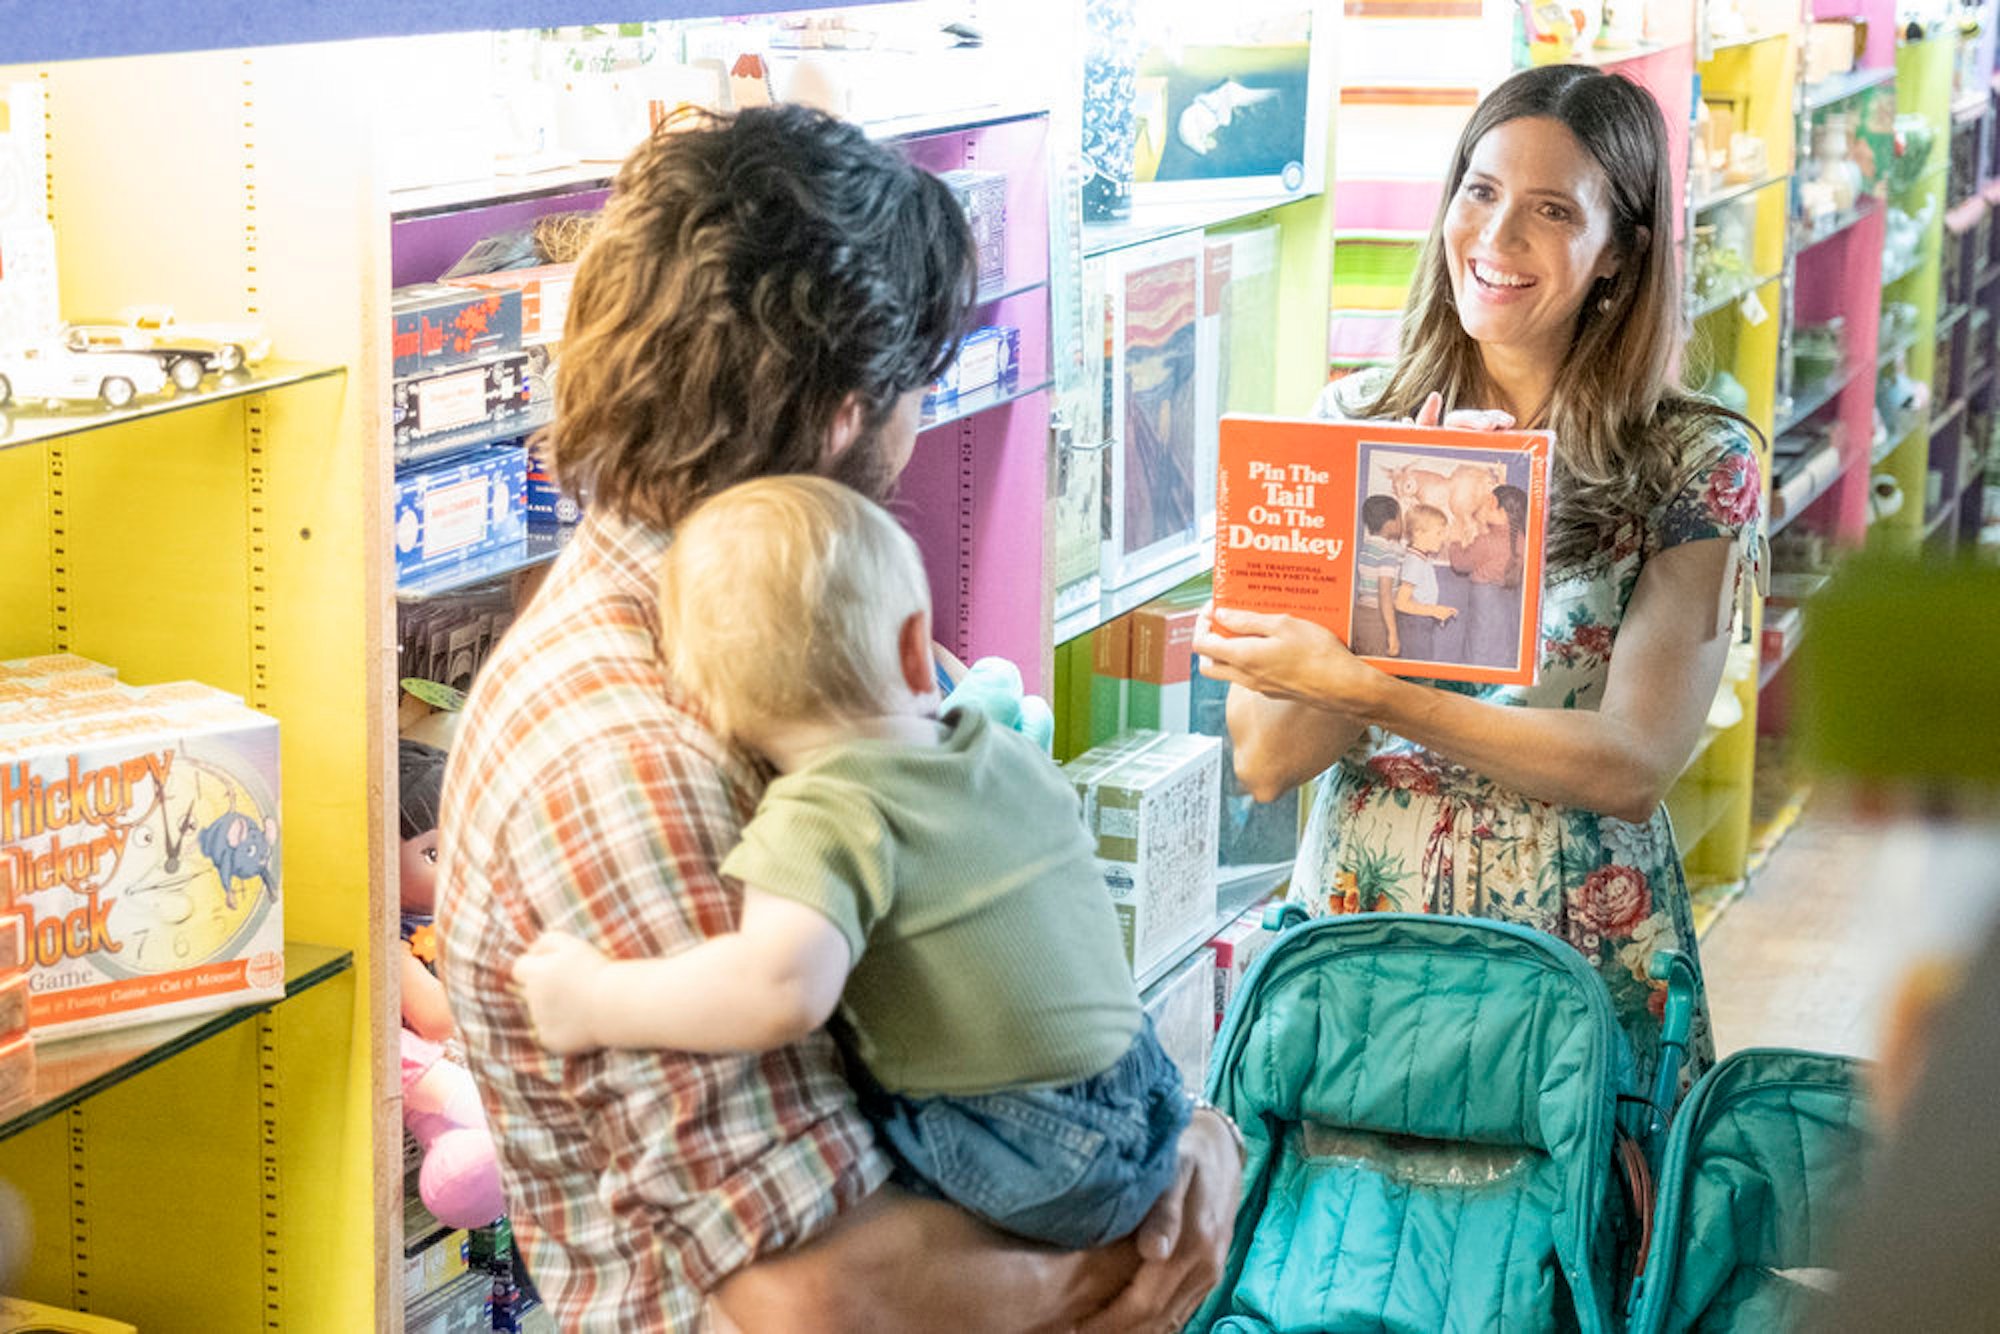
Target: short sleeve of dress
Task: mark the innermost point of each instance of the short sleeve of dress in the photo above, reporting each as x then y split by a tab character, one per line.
1721	494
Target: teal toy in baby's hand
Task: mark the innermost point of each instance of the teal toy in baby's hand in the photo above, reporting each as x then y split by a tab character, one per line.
993	686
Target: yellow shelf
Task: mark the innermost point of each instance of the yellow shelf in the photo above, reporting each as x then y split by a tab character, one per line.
1732	297
20	425
1696	809
1748	39
69	1071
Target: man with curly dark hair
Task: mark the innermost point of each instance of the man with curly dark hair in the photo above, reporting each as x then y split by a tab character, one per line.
767	294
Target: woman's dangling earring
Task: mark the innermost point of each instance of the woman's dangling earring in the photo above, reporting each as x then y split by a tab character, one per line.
1604	305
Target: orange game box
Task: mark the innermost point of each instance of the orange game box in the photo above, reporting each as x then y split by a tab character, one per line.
1325	520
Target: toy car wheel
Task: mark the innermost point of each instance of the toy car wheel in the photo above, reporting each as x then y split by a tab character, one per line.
229	357
6	391
186	372
117	391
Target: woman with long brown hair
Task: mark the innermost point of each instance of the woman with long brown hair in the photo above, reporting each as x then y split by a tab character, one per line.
1547	297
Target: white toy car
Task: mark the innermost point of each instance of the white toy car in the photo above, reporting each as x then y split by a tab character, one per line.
185	368
220	347
52	371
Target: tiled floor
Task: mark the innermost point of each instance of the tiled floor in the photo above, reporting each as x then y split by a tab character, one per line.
1789	963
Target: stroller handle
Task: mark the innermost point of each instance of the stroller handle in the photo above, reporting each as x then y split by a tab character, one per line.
1676	1023
1284	916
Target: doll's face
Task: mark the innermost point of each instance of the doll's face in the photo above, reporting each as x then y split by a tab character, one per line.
417	873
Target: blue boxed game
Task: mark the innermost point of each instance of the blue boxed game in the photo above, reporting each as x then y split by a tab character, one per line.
549	507
989	356
458	508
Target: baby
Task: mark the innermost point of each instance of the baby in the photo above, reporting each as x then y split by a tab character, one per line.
1418	614
929	876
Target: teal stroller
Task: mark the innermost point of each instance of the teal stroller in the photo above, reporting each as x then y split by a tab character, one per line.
1433	1109
1444	1135
1763	1160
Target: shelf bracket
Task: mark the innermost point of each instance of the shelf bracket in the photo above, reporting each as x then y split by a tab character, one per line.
59	592
77	1144
269	1202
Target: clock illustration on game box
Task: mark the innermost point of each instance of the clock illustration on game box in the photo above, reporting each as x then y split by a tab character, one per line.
199	871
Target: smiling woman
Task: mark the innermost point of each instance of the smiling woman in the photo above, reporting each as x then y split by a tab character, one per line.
1546	297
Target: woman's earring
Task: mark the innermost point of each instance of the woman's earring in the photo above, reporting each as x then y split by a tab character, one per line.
1604	305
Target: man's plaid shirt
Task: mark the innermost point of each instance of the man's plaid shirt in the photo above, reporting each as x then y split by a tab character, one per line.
580	797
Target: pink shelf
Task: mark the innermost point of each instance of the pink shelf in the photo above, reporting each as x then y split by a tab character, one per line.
975	492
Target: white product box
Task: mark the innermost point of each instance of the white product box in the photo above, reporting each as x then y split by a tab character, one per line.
1150	800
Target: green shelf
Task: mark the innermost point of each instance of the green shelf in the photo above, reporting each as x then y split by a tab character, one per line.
68	1071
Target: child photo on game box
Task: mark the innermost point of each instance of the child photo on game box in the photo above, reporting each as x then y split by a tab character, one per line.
1420	547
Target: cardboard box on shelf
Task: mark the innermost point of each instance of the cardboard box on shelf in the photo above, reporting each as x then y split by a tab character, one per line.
1110	680
436	325
544	292
17	1070
13	942
983	196
548	506
1162	664
989	356
1149	801
13	1005
462	1306
1236	947
463	406
435	1262
119	929
458	508
54	664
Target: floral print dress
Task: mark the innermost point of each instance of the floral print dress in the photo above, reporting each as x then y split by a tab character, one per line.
1396	828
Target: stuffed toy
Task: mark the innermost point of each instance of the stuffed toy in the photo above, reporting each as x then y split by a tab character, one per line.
459	1181
993	686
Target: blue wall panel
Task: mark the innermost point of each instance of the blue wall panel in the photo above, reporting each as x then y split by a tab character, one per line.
40	30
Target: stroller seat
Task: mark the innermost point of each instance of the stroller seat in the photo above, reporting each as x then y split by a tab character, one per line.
1764	1158
1429	1107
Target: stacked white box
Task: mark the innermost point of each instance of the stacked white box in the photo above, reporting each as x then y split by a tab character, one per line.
1150	800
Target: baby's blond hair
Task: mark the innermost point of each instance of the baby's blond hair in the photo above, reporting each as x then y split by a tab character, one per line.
781	600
